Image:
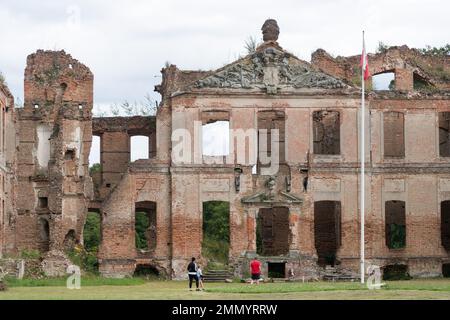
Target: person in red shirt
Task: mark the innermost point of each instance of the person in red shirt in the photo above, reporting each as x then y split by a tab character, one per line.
255	269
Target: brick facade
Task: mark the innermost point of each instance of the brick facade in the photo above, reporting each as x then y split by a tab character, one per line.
315	108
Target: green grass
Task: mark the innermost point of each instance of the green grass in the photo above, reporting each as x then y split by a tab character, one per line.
88	281
139	288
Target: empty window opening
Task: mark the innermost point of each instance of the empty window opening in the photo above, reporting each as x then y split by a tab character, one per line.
444	134
394	134
69	155
395	224
44	235
139	147
420	83
145	225
216	231
383	81
43	203
69	241
327	231
272	231
94	154
276	269
216	138
146	271
396	272
445	224
446	270
270	123
92	230
326	135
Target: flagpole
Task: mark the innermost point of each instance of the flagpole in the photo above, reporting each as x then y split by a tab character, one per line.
362	158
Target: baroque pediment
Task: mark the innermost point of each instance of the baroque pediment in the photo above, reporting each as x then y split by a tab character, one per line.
269	69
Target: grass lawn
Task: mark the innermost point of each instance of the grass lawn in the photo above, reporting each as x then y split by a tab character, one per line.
99	288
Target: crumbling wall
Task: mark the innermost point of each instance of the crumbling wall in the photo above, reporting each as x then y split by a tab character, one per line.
409	65
115	133
54	139
7	166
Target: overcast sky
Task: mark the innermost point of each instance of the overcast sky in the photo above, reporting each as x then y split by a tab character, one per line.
125	43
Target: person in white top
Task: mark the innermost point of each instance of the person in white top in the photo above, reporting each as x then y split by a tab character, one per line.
200	277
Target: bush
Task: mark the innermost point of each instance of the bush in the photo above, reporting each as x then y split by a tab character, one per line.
30	254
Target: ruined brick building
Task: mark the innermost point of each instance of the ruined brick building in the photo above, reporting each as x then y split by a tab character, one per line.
299	218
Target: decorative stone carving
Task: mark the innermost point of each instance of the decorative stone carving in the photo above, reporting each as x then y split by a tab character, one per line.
270	196
270	30
269	69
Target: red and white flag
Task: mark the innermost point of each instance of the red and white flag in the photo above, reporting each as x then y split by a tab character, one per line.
364	63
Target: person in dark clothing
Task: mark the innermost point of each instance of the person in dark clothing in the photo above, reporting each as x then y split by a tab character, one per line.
192	273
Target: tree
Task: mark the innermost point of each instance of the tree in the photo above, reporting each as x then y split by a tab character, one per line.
251	44
436	51
91	232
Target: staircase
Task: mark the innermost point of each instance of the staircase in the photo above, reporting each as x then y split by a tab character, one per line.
217	275
337	274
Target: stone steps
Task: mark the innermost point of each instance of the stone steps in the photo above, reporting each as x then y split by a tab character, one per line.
217	275
333	274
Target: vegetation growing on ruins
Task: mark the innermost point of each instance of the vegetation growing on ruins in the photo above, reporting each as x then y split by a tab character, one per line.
141	225
216	234
2	79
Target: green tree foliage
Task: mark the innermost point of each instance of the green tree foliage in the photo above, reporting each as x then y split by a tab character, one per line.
436	51
216	230
91	233
142	224
96	167
397	236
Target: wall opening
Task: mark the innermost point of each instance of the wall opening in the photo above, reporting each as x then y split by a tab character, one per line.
395	224
43	202
69	241
326	132
44	235
92	235
139	147
146	271
145	225
383	81
268	123
272	231
69	154
216	138
446	270
396	272
394	134
420	83
276	269
444	134
327	231
216	231
445	224
92	231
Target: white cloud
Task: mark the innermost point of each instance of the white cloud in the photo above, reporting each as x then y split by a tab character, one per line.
126	43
